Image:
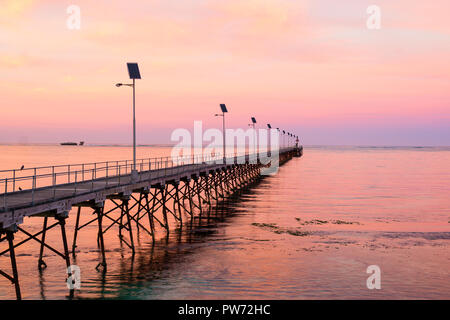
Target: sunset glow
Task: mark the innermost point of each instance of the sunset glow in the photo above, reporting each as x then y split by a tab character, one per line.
309	66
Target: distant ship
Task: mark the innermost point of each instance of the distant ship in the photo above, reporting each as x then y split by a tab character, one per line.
72	143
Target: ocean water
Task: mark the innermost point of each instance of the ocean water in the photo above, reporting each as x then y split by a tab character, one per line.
309	232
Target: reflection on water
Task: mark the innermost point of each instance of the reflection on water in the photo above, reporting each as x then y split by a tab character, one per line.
309	232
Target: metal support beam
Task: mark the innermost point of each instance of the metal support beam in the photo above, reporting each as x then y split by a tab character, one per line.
99	212
9	236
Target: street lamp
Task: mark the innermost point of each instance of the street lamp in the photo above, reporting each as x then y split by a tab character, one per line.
223	107
133	72
269	138
279	144
253	124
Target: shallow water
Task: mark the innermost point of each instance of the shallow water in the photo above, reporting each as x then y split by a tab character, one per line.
309	232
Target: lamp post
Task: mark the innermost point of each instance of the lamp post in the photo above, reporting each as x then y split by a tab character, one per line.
133	72
279	144
253	125
223	107
269	127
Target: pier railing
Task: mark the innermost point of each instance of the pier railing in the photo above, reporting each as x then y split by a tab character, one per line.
98	175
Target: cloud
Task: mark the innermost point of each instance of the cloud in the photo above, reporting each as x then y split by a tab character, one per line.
11	61
11	10
14	61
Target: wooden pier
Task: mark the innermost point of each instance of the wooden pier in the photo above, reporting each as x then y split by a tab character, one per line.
163	189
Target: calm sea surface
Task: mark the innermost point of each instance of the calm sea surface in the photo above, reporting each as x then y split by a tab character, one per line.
309	232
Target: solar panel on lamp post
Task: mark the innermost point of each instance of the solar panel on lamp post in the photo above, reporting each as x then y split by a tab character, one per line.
224	110
133	72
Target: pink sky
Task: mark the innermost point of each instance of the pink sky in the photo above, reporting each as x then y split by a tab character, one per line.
311	67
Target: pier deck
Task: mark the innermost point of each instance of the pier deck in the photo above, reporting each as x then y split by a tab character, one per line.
157	189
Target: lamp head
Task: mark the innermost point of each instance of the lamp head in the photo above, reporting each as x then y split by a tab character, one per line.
119	84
